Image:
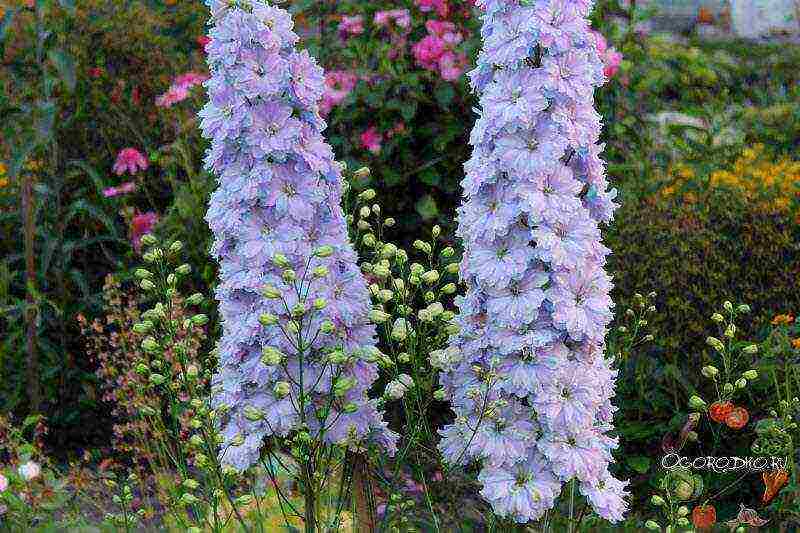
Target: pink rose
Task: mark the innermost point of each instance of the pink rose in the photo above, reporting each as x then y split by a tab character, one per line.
371	140
130	160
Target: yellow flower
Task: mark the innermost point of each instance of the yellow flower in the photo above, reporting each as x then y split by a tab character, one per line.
782	319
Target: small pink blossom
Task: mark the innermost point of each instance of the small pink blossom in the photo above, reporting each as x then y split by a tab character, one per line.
95	72
611	57
125	188
338	84
180	89
401	17
202	41
436	51
130	160
371	140
141	225
440	6
3	483
350	26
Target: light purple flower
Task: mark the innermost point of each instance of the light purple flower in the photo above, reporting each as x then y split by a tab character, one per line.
280	193
534	317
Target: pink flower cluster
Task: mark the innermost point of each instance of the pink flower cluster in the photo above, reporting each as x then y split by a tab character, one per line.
180	88
440	6
338	84
350	26
610	56
401	17
129	160
437	51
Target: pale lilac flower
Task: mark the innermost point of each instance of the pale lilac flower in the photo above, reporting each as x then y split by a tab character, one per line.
3	483
29	471
280	193
535	314
125	188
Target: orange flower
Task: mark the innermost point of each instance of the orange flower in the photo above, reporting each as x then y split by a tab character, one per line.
719	411
737	418
704	516
782	320
704	16
796	343
773	483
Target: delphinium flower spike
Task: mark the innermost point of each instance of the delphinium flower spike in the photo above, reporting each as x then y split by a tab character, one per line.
532	388
297	352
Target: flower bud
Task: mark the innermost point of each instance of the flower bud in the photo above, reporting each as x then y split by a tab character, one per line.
385	295
716	344
141	273
267	319
388	251
696	402
199	320
452	268
750	375
324	251
741	383
157	379
364	212
727	306
327	327
271	292
184	269
337	357
381	271
281	389
652	526
192	371
657	500
271	356
743	309
709	371
148	240
436	231
320	271
718	318
363	225
350	408
149	345
751	349
320	304
143	327
281	261
289	275
683	510
389	222
147	285
439	394
195	299
298	310
450	288
430	277
361	174
730	331
727	388
379	317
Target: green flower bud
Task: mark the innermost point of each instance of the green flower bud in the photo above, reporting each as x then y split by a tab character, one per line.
281	261
657	500
337	357
324	251
369	240
727	306
381	271
195	299
388	251
142	369
422	246
350	408
149	345
709	371
436	231
271	356
416	269
361	174
320	304
727	388
271	292
652	526
267	319
298	310
289	276
190	484
364	212
683	510
148	240
147	285
253	414
320	271
430	277
141	273
184	269
696	402
199	320
379	317
196	440
157	379
281	389
389	222
450	288
718	318
452	268
743	309
293	327
751	349
448	252
363	225
716	344
143	327
750	374
327	327
244	500
439	394
741	383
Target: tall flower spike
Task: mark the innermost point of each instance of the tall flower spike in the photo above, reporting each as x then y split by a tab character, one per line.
532	390
277	205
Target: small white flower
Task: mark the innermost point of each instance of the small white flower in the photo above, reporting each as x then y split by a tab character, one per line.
395	390
29	471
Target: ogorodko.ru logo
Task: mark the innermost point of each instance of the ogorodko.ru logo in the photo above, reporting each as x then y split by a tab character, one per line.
673	461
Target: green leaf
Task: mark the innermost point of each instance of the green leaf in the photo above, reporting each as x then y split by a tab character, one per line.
427	208
430	177
639	464
65	66
445	94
